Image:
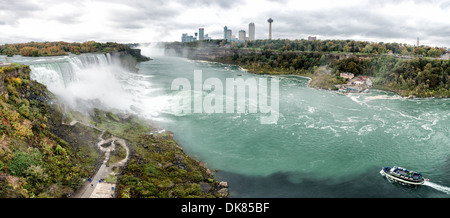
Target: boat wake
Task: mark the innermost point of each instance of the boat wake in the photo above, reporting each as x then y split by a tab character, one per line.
437	187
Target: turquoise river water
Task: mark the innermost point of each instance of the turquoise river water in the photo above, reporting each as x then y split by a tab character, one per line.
323	144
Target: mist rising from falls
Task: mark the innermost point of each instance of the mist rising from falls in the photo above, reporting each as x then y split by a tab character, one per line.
152	49
89	81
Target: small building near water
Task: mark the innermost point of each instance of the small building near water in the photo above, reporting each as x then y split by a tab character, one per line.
347	75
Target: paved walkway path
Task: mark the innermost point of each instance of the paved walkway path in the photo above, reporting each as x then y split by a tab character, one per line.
97	188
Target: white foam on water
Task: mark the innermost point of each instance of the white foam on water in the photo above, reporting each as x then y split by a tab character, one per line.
98	81
383	97
437	187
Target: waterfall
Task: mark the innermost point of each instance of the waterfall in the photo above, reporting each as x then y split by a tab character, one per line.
62	73
86	81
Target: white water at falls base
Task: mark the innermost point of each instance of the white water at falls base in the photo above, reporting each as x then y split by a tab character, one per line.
95	81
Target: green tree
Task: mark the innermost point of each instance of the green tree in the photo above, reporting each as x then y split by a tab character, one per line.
367	49
22	161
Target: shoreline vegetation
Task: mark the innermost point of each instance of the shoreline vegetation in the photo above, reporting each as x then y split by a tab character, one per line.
40	49
45	49
410	71
42	157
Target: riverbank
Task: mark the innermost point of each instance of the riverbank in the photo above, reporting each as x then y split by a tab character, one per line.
300	152
323	78
417	77
319	78
157	166
40	156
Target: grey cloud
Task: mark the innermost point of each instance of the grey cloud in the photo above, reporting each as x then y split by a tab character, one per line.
69	18
445	5
348	22
223	4
12	11
365	19
141	14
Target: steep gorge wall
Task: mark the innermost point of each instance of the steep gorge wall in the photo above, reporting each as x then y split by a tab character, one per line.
129	58
213	53
204	53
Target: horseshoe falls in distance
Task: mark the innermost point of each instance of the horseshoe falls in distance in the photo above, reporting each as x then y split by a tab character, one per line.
324	144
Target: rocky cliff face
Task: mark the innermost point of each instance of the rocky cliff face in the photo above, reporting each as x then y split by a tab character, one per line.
43	155
215	53
2	84
203	53
34	162
130	58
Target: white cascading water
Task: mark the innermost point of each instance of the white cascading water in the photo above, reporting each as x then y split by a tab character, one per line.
95	80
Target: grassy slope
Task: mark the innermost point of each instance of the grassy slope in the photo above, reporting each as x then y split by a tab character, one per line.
34	161
158	167
41	157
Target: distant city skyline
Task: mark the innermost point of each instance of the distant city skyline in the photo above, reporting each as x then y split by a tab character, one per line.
401	21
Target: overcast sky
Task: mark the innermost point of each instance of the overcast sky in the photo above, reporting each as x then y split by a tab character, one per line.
165	20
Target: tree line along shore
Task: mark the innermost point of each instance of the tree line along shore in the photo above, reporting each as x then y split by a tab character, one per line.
410	71
41	157
39	49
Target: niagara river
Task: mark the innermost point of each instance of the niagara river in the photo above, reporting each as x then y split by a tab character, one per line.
323	144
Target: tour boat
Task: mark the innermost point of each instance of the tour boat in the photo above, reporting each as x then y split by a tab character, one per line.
402	175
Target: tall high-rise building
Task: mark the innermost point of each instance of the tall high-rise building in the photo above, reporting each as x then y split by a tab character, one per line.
270	27
186	38
251	31
242	35
227	34
201	34
225	29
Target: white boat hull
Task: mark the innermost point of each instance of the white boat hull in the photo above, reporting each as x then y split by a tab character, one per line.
393	178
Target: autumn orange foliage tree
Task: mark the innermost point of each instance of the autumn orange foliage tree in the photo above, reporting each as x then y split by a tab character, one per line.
35	49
